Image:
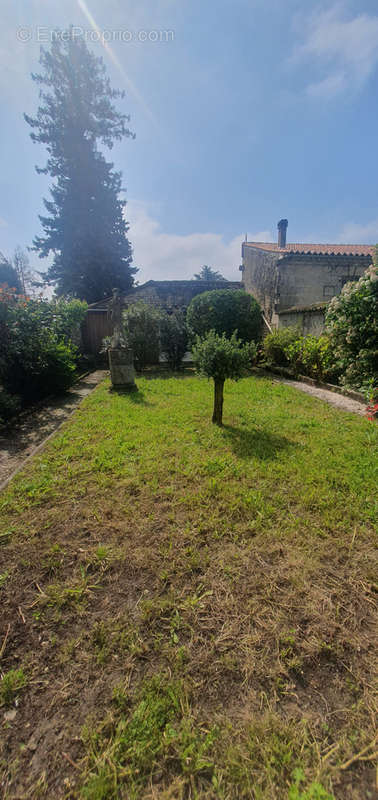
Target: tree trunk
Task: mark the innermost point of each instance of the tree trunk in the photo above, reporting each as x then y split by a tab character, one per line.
218	401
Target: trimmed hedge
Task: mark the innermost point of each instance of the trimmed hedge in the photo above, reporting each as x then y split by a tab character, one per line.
225	311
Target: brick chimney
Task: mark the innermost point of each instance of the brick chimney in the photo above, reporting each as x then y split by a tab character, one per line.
282	228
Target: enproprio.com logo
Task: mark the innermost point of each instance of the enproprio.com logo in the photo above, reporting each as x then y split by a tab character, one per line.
40	33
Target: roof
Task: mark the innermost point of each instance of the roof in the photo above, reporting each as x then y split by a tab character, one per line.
196	286
316	249
188	283
297	309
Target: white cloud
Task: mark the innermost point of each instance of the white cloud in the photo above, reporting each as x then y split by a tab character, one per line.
328	87
355	233
170	256
344	50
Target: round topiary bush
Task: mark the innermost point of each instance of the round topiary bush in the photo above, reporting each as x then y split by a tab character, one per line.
225	311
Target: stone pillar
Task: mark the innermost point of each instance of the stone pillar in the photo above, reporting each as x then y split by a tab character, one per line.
121	365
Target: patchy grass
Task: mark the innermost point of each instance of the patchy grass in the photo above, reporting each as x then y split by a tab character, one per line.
11	684
193	606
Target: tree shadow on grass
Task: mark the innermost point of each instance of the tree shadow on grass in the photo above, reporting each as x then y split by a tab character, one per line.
164	373
257	443
136	397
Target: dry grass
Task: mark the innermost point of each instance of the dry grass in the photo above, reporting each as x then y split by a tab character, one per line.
192	609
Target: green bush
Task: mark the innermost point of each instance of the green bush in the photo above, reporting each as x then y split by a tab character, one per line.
225	311
67	317
313	356
173	338
275	345
352	327
142	331
305	355
37	356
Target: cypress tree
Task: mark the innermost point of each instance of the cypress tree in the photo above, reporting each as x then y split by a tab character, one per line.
85	227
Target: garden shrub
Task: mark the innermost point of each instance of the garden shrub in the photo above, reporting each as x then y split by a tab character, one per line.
37	356
225	311
142	331
352	327
313	356
67	318
305	355
275	345
173	338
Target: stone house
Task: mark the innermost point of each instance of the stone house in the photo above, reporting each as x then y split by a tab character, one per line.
295	282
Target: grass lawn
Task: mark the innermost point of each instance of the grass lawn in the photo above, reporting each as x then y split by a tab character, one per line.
187	611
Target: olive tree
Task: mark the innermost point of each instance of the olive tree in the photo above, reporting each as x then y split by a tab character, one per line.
220	358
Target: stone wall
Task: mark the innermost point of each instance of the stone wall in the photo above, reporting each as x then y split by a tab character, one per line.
260	277
310	321
304	280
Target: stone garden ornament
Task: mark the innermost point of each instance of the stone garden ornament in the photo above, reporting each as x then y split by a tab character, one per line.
121	358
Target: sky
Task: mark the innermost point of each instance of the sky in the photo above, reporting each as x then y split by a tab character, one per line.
244	111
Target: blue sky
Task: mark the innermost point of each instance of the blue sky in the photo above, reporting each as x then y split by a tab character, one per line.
244	112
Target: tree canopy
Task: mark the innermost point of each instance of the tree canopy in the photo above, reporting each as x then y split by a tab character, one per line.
208	274
8	275
85	227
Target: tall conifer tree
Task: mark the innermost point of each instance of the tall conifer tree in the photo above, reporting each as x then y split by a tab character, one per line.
84	228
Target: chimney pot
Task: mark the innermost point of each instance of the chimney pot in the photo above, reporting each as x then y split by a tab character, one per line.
282	228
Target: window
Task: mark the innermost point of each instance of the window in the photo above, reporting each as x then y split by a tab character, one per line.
329	291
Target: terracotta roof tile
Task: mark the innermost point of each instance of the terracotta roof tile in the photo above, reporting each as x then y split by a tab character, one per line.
320	249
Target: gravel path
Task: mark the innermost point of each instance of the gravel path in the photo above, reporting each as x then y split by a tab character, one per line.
21	442
335	399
